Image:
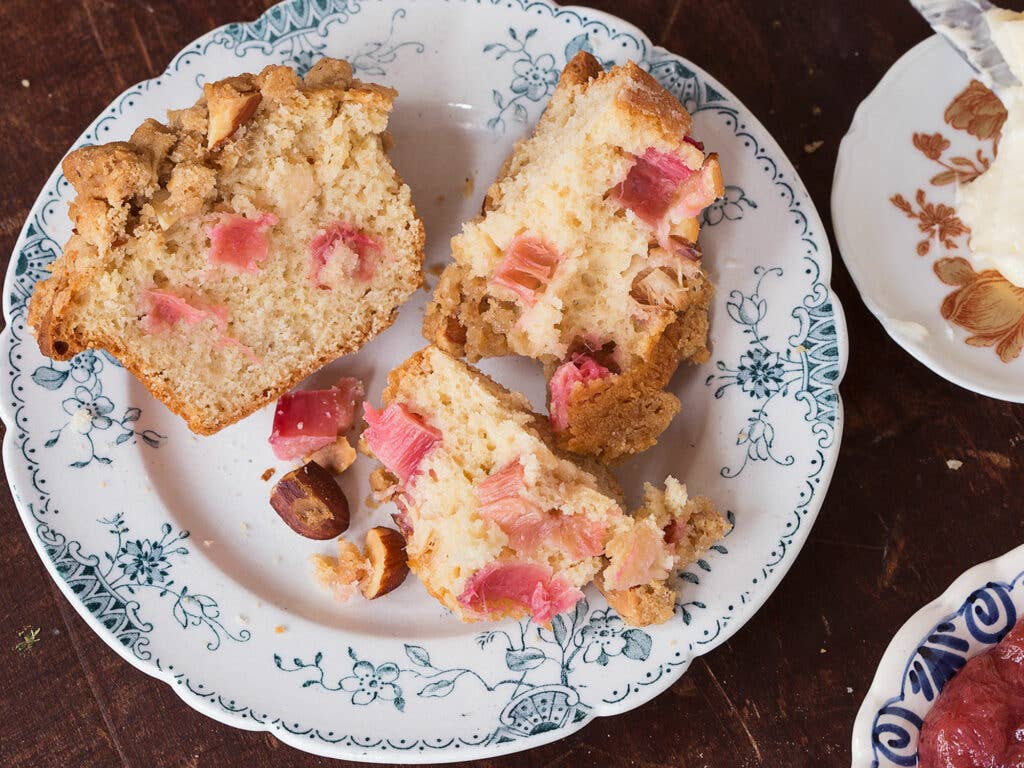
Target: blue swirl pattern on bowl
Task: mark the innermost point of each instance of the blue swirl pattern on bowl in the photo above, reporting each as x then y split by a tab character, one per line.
940	642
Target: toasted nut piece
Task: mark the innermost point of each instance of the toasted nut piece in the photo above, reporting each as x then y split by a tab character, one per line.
656	288
335	457
381	480
166	216
687	229
342	575
113	172
230	103
310	502
385	552
642	605
327	71
716	174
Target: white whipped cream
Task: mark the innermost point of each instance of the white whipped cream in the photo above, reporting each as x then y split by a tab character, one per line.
908	329
993	204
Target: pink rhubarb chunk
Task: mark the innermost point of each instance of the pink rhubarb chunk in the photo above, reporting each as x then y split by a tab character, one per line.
403	517
650	187
693	142
399	438
527	267
527	525
695	193
661	189
580	369
161	309
529	584
343	241
307	420
238	242
642	563
164	308
676	532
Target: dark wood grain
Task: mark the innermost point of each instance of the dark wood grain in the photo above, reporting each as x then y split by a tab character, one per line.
896	528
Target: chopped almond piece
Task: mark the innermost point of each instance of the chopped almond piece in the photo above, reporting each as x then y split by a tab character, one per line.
381	480
335	457
376	572
309	501
231	103
342	575
385	554
642	605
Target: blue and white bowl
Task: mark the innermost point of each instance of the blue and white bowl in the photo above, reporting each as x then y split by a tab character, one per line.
970	617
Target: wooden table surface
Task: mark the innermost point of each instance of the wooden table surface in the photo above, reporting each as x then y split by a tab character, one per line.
896	527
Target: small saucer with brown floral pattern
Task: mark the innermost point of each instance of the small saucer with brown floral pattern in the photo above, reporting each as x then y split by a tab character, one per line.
928	126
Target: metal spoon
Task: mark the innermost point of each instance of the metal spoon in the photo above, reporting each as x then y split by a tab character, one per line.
963	24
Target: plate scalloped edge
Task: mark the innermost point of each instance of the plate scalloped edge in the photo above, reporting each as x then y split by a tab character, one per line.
990	582
228	711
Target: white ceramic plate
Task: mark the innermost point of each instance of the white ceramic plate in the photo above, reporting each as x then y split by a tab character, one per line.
974	614
108	481
925	128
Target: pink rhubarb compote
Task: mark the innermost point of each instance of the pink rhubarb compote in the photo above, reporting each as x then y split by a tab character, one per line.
307	420
399	438
532	585
342	246
528	527
239	243
579	369
978	719
527	267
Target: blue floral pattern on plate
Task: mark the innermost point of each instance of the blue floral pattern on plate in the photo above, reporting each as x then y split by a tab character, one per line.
108	585
534	76
764	373
524	684
528	707
88	408
729	207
